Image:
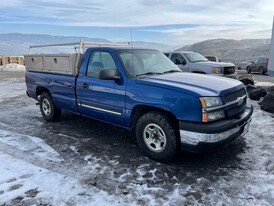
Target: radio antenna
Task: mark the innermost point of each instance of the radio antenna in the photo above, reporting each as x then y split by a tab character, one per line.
132	51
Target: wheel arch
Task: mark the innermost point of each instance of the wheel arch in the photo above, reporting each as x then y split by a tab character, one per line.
140	110
40	90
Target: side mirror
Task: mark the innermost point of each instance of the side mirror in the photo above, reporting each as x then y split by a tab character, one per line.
108	74
184	62
252	62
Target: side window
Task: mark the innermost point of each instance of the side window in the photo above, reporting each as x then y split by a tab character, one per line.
177	57
98	61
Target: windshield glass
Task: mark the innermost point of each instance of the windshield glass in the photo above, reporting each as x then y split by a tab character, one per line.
146	62
195	57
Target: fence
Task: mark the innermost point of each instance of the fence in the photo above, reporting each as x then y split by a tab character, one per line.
11	60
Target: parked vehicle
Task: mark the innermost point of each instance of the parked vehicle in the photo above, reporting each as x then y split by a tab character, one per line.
194	62
141	90
259	65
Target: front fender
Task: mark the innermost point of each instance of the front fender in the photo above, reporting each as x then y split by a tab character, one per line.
183	106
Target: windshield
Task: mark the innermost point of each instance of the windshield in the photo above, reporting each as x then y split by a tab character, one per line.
139	63
195	57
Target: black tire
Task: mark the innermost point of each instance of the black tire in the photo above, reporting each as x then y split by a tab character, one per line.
157	136
261	70
248	70
48	109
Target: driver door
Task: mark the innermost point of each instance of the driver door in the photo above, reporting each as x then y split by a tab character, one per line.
101	99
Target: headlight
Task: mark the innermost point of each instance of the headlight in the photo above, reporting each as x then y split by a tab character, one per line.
217	70
209	113
210	101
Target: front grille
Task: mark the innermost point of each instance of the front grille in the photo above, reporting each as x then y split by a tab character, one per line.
233	96
234	111
237	109
229	70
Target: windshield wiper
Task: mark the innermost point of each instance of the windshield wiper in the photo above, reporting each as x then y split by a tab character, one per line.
172	71
148	73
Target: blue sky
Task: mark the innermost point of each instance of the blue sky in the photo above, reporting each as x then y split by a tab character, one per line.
171	22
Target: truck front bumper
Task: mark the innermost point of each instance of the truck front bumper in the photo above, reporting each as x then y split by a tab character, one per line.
197	137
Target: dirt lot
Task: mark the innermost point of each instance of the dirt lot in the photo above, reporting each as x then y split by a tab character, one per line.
86	162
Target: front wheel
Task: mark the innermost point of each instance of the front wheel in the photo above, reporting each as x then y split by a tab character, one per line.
48	109
157	136
248	70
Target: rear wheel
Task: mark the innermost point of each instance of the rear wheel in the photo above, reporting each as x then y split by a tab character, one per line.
48	109
157	136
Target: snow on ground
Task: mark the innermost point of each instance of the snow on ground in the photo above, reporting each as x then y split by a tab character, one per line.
7	90
21	180
264	84
12	67
35	145
6	87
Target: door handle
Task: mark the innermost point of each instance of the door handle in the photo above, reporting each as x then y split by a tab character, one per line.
85	85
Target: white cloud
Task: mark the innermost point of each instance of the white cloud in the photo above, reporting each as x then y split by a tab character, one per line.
148	12
214	19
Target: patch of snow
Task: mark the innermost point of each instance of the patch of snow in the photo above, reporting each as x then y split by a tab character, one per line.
34	145
19	177
264	84
9	91
12	67
75	150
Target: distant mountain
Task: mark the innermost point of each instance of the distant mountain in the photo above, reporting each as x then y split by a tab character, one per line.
18	44
224	49
233	50
44	39
9	47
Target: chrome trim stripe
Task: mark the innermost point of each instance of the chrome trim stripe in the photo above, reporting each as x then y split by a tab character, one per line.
99	109
225	106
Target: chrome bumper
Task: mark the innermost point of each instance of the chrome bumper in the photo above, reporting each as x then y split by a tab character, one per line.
216	132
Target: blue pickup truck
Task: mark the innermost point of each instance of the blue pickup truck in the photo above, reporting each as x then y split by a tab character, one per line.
141	90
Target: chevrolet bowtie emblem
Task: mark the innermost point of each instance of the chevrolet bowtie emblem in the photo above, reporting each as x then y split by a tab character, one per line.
240	100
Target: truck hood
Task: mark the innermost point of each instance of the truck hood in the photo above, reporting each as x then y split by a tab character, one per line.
194	84
214	64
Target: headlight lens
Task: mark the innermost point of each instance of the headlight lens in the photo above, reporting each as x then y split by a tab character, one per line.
216	70
211	102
